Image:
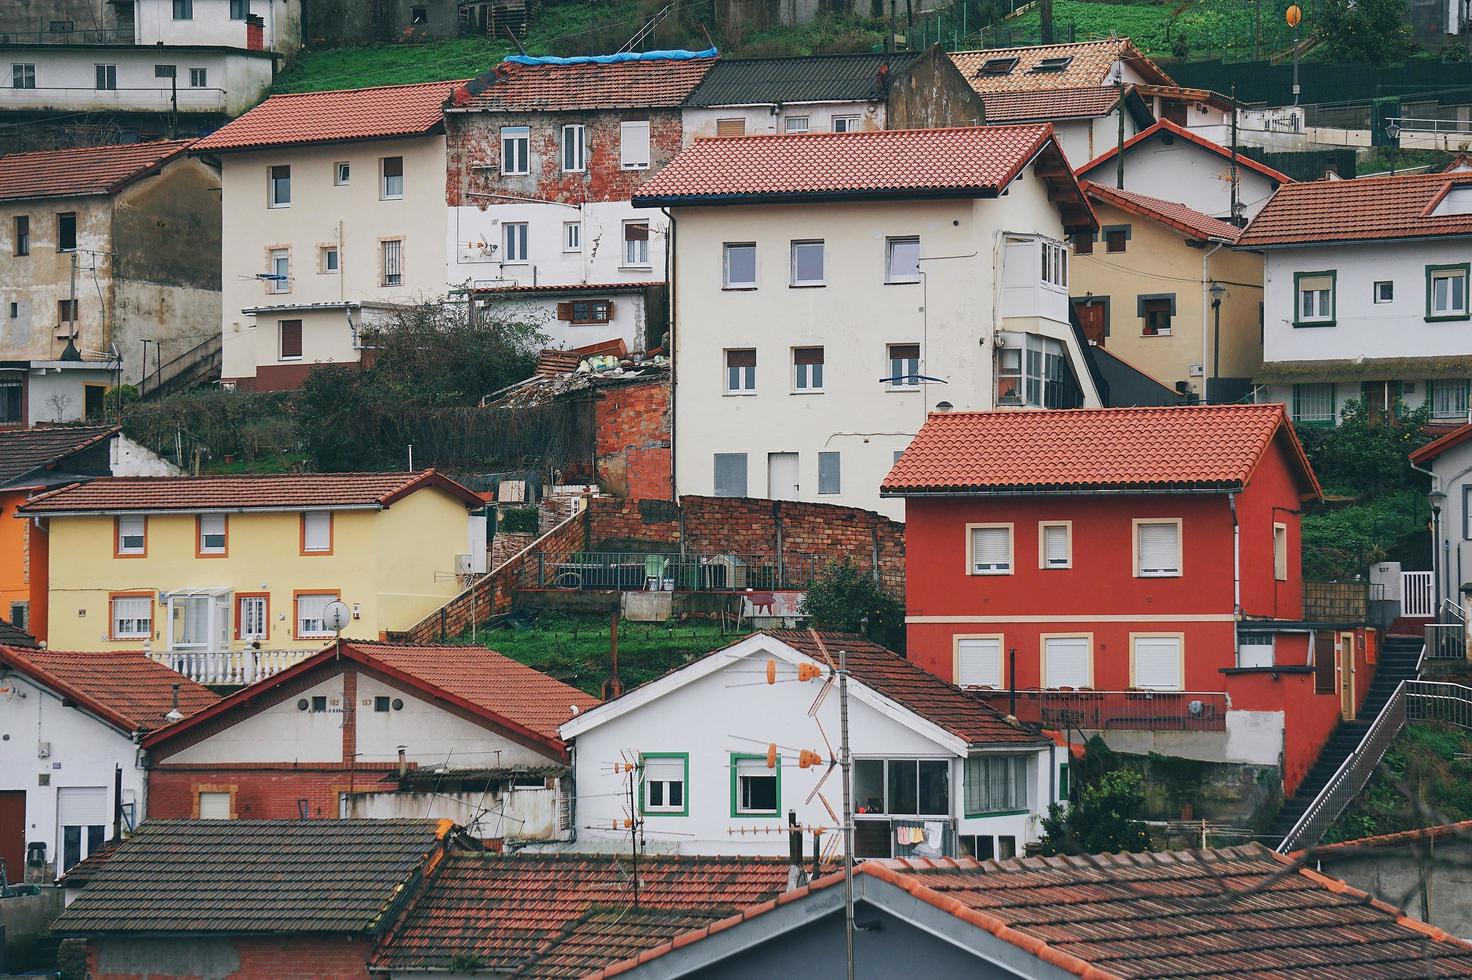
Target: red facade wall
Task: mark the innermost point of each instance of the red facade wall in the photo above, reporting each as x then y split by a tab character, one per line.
259	958
633	450
262	791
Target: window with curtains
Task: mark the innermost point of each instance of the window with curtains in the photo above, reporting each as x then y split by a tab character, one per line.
317	531
310	614
795	124
1157	548
393	262
636	243
1446	292
132	617
664	777
979	661
391	186
741	372
991	550
995	784
807	369
1067	661
1156	663
1449	400
1056	550
514	242
1315	298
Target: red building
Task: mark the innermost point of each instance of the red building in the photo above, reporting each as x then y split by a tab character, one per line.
1123	551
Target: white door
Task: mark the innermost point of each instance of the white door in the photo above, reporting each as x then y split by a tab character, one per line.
782	476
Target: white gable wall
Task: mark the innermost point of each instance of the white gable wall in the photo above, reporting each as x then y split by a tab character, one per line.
280	733
1186	173
431	734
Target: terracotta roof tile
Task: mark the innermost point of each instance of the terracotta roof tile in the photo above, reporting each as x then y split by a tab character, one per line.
1461	829
234	493
976	159
1178	216
80	171
124	688
543	913
335	116
1167	129
1072	103
855	77
1091	64
651	84
1366	208
23	451
1193	446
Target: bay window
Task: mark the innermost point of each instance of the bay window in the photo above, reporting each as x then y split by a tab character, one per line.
996	784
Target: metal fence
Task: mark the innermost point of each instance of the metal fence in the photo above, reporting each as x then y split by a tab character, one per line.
1446	641
652	572
1149	711
1336	602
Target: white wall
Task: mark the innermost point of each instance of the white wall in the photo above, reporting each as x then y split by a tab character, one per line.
515	813
772	119
66	79
128	458
211	24
432	735
1189	174
540	310
280	733
58	394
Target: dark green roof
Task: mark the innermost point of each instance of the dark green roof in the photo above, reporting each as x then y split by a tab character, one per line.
820	78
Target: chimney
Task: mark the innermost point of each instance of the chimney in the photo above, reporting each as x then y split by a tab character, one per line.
174	713
255	33
613	687
403	764
794	840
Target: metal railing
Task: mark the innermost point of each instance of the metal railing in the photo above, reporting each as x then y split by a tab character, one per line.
111	35
230	668
1439	701
1144	711
1446	641
1439	127
649	572
1417	595
1336	602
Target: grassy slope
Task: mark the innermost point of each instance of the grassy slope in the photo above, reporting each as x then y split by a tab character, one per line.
1433	761
1208	25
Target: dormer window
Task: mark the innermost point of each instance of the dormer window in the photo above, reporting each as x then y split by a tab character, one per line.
1052	65
996	67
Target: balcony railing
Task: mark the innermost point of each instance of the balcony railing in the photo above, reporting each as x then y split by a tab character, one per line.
1144	711
229	668
639	571
84	97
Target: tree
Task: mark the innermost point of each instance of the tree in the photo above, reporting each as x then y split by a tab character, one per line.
1365	32
1105	820
846	598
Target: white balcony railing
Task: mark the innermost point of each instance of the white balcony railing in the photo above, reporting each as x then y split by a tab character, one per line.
137	99
229	668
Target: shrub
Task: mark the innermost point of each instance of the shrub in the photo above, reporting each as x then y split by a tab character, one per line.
846	598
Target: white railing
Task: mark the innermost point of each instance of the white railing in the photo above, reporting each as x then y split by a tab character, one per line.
229	668
1418	594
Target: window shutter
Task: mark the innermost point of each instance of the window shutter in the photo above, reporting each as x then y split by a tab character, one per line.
1067	661
636	231
807	355
81	806
1326	648
664	770
904	351
730	127
564	311
291	338
608	309
634	145
979	663
318	530
1158	663
1159	549
214	806
1055	546
991	549
741	358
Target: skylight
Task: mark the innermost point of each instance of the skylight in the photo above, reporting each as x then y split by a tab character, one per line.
997	66
1052	64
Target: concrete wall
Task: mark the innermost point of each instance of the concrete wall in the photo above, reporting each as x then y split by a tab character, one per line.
503	813
281	24
931	94
767	120
1428	880
1182	171
66	79
37	282
24	16
629	321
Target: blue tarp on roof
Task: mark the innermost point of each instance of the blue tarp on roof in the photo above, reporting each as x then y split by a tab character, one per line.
614	59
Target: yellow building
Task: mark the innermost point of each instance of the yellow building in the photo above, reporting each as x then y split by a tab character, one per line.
214	564
1142	288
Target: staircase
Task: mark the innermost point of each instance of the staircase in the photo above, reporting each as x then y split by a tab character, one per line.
198	365
1397	663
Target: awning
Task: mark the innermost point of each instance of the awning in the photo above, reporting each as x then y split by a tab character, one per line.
1437	368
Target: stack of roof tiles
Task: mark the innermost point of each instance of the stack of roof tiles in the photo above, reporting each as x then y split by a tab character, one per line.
643	84
125	688
82	171
323	117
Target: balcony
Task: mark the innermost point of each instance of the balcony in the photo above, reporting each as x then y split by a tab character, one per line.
1139	711
229	668
649	572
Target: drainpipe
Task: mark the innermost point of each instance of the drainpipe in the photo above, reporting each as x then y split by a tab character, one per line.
670	319
1205	313
1236	564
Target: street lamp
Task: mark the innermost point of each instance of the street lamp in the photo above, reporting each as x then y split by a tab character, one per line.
1217	291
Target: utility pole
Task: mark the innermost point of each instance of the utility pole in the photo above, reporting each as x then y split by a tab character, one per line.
846	765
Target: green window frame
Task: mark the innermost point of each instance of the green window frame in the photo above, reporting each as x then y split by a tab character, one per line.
1432	271
1298	277
1299	399
684	810
736	810
1063	786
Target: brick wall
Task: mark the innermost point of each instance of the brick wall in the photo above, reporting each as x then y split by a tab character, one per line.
245	958
633	451
261	791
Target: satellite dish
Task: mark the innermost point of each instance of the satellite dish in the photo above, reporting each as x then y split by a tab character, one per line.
336	616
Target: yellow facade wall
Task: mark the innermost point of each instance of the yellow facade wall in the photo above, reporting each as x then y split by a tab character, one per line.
396	565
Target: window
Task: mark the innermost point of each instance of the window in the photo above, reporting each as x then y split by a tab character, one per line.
1446	292
1313	404
341	171
107	77
636	243
165	71
393	260
213	534
574	150
1083	243
740	371
289	340
807	263
66	231
1449	400
807	369
1115	237
996	67
20	615
1054	264
382	702
730	127
989	549
1055	544
278	276
199	77
665	776
418	15
1255	649
317	532
572	236
1049	65
238	9
1035	374
132	535
280	186
902	787
1155	662
252	617
996	784
1280	552
311	613
633	145
1067	661
1157	548
829	475
795	124
1155	313
391	178
214	805
22	76
1315	305
1009	375
739	266
846	124
183	9
513	238
585	311
319	704
1384	292
66	311
979	661
902	260
756	791
516	144
904	366
132	617
10	392
730	475
81	812
327	259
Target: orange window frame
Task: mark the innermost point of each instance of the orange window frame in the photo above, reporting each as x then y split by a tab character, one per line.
117	539
253	595
296	619
331	532
199	551
112	620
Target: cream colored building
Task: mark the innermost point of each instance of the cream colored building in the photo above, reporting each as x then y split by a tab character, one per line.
1142	288
816	324
334	205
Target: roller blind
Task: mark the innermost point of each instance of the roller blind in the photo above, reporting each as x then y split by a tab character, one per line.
1067	660
1158	663
634	145
81	806
979	662
664	770
1055	546
991	549
1159	549
318	533
214	806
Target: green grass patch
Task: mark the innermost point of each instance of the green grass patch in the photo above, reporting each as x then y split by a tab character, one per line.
389	64
1425	779
1205	29
266	463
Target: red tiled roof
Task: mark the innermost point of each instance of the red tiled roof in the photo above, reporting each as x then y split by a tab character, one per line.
580	287
330	117
885	672
1186	220
652	84
82	170
1166	127
1072	103
23	451
1362	209
1092	64
124	688
1144	449
1346	848
1440	445
1242	912
237	493
534	912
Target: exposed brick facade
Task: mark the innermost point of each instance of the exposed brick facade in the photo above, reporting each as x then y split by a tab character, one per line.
259	791
633	451
230	958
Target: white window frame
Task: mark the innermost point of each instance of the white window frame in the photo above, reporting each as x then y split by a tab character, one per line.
636	250
342	172
384	191
212	525
1441	392
298	620
309	518
837	459
995	569
23	72
630	156
272	201
1323	305
107	75
846	123
396	278
324	267
127	528
199	78
756	768
806	243
572	236
733	284
515	242
743	384
247	634
901	375
516	150
277	259
1137	525
1053	269
141	629
666	808
803	375
1384	296
1449	276
1043	528
979	641
1180	653
1043	642
795	125
579	161
890	278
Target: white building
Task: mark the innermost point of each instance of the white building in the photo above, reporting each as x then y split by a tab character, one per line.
1449	459
271	25
832	289
935	772
1366	295
72	725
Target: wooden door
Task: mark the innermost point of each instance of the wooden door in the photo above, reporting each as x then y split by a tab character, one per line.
1093	317
1382	400
1346	675
13	833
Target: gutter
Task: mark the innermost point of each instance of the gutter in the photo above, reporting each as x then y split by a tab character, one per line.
812	197
1066	492
670	314
200	510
